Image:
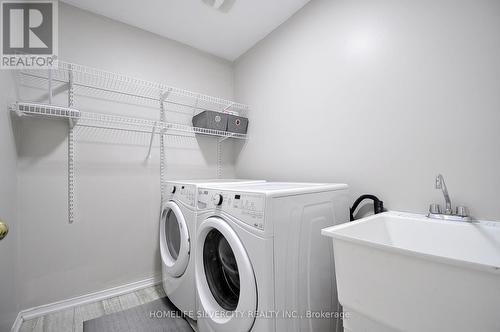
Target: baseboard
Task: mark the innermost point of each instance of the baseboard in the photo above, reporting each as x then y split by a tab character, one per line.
45	309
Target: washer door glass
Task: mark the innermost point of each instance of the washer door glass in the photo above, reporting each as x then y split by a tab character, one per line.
174	240
172	234
221	270
225	280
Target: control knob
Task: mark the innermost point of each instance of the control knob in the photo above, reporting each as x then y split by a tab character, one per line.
217	199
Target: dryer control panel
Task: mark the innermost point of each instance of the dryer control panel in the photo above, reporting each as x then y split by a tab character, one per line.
181	192
246	207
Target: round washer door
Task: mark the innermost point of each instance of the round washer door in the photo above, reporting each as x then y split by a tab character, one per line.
225	279
174	240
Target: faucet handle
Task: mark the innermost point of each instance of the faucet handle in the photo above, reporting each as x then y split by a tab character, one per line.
435	208
462	211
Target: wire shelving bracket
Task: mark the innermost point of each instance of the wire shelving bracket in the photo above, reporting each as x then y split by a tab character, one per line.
153	132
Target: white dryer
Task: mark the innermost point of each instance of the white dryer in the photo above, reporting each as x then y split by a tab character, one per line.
261	262
177	230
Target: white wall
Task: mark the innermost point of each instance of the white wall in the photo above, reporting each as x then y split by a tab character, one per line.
114	239
8	246
382	95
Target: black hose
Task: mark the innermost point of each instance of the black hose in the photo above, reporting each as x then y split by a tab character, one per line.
378	205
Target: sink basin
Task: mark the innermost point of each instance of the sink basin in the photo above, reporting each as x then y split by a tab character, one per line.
406	272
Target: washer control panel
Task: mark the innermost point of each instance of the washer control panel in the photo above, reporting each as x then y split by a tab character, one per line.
246	207
185	193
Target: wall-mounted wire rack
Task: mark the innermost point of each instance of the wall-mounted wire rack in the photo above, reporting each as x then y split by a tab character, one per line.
110	121
104	84
79	80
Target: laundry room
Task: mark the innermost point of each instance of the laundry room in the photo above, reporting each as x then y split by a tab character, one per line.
237	165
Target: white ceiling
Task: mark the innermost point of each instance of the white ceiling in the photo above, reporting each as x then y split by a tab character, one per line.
196	24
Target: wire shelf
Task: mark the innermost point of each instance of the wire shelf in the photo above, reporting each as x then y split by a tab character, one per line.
110	121
45	110
104	84
44	88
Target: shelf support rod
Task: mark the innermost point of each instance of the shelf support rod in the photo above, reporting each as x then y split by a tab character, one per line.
163	164
71	152
219	158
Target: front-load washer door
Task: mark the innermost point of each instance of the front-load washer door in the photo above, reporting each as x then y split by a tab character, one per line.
174	240
224	278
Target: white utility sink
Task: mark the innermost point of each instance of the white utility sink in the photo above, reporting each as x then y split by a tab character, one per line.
405	272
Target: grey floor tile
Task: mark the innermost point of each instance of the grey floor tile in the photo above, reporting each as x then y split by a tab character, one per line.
71	320
160	291
129	300
149	294
112	305
60	321
87	312
28	325
38	326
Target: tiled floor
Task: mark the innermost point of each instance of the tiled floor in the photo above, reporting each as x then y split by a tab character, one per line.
71	320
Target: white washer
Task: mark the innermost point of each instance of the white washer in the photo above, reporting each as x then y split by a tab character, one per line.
177	230
261	262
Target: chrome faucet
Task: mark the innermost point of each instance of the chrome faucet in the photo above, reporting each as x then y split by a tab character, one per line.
440	184
461	213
